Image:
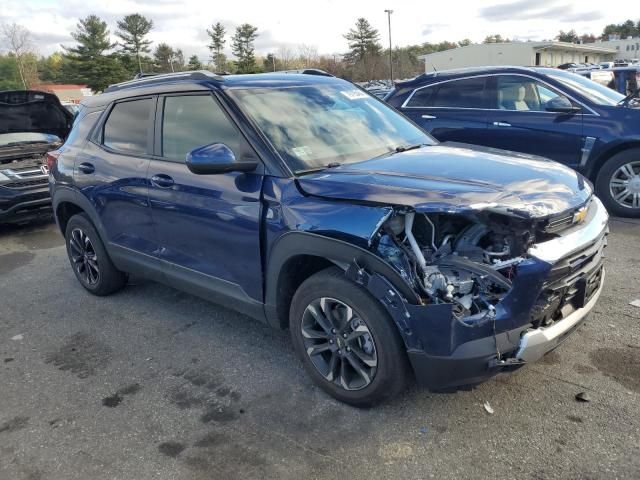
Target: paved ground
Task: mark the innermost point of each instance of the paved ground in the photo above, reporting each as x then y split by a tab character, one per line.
153	383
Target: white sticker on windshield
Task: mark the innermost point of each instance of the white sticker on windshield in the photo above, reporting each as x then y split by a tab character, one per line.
302	153
354	94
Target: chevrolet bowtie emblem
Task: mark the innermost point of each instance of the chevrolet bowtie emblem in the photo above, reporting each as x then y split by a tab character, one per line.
579	215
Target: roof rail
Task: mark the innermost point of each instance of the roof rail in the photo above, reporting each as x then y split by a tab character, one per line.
307	71
163	77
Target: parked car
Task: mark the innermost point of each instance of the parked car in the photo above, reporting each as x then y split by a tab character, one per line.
307	203
541	111
31	124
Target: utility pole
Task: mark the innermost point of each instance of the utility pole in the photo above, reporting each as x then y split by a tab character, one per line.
389	12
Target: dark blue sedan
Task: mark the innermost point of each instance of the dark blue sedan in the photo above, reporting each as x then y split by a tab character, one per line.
541	111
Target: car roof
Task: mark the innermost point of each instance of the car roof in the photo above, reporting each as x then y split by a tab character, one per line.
431	77
205	80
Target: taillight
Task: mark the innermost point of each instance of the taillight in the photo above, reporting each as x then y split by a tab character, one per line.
52	158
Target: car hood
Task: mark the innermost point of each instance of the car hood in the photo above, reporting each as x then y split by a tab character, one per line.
452	179
33	111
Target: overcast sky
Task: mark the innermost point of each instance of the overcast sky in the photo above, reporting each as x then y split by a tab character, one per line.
320	23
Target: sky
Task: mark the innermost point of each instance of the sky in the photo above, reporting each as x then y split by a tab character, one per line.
318	23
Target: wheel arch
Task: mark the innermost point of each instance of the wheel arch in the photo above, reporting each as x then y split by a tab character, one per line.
596	165
67	202
297	255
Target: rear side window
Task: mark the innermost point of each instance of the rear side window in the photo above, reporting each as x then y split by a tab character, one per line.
127	127
467	93
193	121
422	97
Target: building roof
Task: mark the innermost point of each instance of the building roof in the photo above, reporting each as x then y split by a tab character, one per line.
581	47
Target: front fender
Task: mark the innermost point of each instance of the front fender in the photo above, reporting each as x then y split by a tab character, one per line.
339	252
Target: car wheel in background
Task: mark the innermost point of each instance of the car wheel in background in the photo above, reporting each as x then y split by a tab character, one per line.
89	259
618	184
346	340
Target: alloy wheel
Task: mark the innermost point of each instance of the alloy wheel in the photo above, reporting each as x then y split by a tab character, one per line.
624	185
84	257
339	343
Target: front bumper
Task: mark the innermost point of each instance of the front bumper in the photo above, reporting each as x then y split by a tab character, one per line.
23	205
574	267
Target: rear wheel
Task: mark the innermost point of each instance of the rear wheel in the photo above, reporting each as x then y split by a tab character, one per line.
346	340
89	259
618	184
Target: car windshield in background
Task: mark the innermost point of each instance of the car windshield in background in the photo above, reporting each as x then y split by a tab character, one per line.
597	93
314	126
26	137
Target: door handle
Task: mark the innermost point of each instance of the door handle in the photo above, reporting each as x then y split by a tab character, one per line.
161	180
502	124
86	167
428	117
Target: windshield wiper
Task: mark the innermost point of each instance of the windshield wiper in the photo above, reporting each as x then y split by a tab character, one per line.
626	100
306	171
406	148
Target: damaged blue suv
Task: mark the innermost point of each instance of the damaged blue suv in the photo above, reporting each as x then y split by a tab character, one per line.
308	204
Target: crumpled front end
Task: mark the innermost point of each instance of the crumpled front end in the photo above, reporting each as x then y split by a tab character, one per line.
496	291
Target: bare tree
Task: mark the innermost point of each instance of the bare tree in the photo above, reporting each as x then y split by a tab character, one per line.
19	42
285	55
308	55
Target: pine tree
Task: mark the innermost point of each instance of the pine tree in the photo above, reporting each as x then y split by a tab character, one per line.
132	29
242	47
194	63
163	58
217	34
88	62
364	40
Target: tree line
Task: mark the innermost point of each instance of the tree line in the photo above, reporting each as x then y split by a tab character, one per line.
98	62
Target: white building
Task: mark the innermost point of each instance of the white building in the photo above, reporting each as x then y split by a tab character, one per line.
547	54
626	49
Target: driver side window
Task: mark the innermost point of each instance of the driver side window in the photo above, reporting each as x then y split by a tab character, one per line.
518	93
191	121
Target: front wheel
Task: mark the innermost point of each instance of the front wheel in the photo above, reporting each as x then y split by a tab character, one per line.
346	340
618	184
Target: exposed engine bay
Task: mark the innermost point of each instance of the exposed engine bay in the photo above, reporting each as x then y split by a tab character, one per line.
466	261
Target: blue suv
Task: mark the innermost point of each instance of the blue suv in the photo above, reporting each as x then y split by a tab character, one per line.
541	111
305	202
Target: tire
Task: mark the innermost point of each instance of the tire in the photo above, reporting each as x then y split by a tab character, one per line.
372	342
614	177
89	259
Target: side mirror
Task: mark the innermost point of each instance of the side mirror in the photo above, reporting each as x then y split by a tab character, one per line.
216	158
561	105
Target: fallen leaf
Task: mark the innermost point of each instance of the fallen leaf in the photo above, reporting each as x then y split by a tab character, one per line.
488	408
583	397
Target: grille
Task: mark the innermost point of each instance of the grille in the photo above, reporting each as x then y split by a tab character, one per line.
26	184
560	222
572	282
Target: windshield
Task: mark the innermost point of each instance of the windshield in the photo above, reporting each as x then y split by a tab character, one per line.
313	126
26	137
593	91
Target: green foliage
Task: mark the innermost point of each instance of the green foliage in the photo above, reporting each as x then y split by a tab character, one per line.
132	30
9	74
217	34
194	63
163	57
495	39
571	36
88	62
624	30
364	41
243	49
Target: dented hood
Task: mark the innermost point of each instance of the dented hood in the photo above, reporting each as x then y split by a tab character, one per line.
447	179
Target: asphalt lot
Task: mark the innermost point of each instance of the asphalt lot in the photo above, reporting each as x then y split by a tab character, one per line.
152	383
